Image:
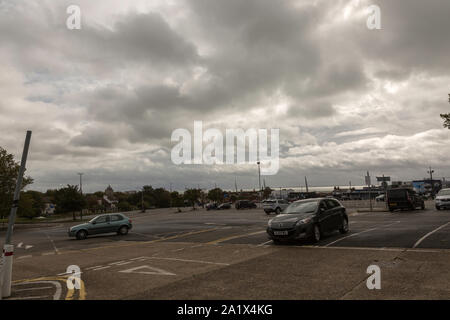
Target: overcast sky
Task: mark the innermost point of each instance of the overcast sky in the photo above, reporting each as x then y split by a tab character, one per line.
105	99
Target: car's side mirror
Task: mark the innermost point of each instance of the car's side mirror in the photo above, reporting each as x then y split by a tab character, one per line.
93	222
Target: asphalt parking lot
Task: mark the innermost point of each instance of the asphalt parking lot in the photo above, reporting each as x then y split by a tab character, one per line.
227	255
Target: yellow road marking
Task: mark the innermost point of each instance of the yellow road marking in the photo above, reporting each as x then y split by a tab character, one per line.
70	293
235	237
82	294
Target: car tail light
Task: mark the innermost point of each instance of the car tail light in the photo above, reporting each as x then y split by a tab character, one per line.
130	221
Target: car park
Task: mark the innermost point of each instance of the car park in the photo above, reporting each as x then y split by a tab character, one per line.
105	223
308	219
244	204
442	200
404	198
274	205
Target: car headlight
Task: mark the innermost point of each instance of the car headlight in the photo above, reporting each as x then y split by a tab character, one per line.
303	221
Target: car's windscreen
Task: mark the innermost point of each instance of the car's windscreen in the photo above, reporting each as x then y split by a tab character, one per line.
445	192
304	207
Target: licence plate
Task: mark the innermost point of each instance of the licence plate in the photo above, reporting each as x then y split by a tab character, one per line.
280	233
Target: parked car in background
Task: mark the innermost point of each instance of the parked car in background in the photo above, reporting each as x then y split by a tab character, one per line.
380	198
245	204
442	200
404	198
224	206
274	205
211	206
105	223
310	218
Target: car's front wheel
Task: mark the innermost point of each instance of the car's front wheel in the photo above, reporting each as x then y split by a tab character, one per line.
277	211
123	230
344	227
317	234
81	235
438	208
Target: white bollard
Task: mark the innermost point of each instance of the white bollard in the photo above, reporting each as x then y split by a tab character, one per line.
8	251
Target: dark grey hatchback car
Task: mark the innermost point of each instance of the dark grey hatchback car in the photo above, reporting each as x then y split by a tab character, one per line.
308	219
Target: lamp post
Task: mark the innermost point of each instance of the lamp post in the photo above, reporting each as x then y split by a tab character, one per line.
259	178
431	181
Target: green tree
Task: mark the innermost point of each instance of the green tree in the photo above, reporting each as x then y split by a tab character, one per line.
26	204
38	202
215	195
9	170
446	118
162	198
267	192
192	195
69	199
124	206
177	199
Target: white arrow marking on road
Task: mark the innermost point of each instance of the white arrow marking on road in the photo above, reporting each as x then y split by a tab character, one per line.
152	270
28	247
20	245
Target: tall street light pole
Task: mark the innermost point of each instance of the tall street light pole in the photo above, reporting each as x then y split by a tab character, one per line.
431	181
259	178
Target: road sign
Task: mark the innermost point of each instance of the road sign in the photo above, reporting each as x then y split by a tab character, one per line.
383	179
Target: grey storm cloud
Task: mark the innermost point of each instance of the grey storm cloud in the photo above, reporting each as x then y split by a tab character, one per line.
105	99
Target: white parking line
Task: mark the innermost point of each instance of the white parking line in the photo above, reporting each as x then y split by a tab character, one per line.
30	289
429	234
355	234
193	261
101	268
56	296
264	243
25	257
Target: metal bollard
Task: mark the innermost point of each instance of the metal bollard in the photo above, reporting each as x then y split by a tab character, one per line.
8	251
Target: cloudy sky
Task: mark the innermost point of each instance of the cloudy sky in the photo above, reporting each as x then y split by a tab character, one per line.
105	99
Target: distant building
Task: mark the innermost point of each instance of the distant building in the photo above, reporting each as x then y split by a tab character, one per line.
109	200
49	207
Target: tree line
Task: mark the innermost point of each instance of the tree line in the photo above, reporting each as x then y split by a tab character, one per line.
69	200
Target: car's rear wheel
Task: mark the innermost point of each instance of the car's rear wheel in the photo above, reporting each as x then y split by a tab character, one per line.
123	230
344	228
81	235
423	206
317	234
